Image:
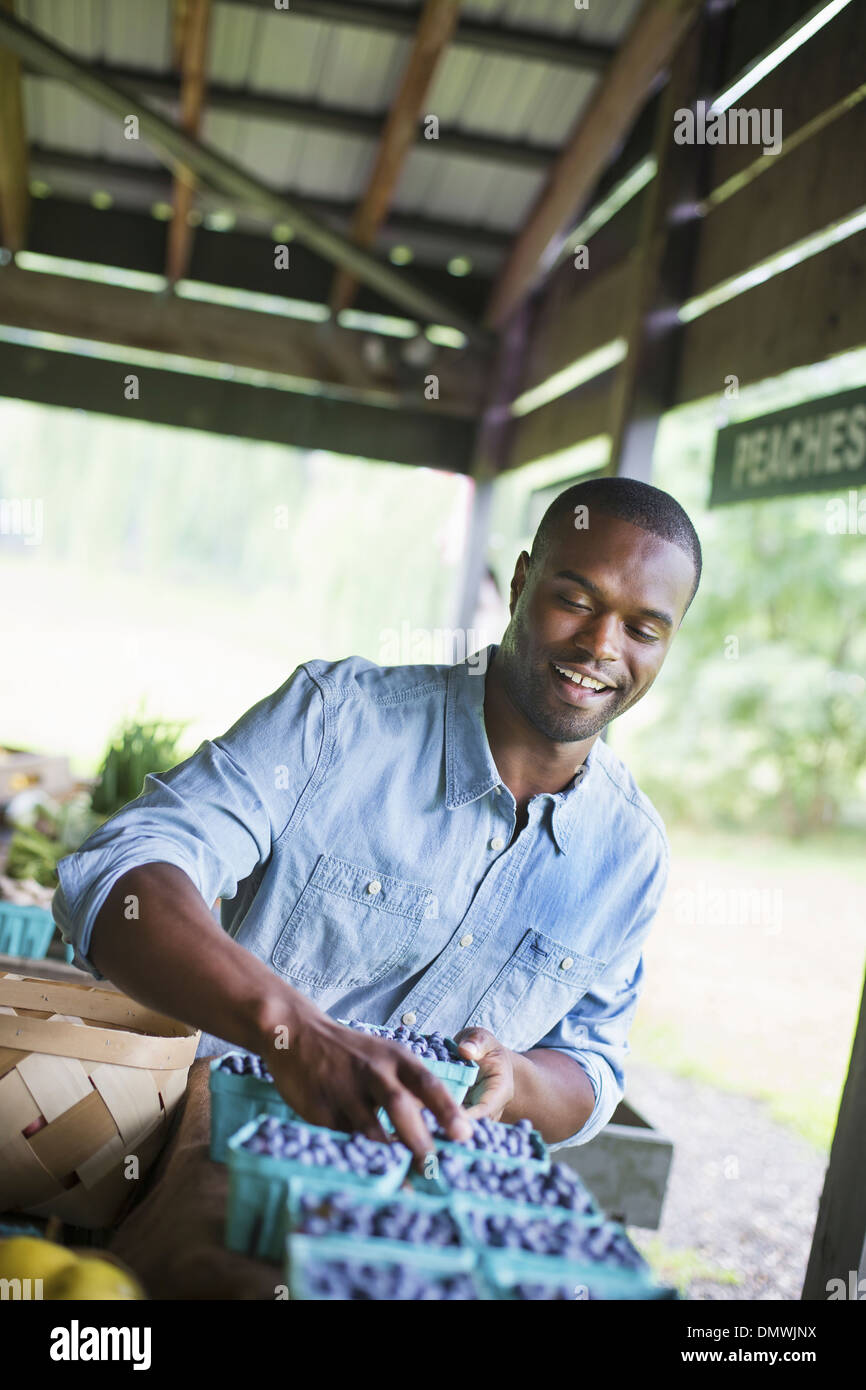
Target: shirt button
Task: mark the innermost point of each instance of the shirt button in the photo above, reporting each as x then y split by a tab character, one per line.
466	940
409	1019
374	886
497	842
567	963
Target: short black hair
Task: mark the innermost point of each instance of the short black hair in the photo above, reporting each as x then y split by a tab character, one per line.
628	500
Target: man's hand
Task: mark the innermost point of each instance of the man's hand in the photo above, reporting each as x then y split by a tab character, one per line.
493	1092
332	1075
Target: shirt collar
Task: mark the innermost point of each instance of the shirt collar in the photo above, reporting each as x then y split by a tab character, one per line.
470	771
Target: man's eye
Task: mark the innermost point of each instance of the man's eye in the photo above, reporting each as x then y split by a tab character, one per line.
584	606
645	636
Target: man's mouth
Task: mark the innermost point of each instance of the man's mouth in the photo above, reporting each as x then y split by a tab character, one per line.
578	687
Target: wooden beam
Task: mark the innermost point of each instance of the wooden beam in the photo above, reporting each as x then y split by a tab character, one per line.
14	193
575	318
435	28
427	437
339	120
662	264
174	145
640	61
196	19
572	419
315	353
839	1242
527	44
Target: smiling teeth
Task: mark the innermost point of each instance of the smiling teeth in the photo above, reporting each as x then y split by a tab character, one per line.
581	680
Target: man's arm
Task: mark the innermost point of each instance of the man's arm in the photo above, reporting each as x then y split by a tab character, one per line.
172	956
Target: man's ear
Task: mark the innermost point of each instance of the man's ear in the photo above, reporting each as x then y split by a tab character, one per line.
518	580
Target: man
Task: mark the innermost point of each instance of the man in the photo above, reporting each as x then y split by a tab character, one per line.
435	845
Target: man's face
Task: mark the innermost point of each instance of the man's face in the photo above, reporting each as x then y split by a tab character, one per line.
605	602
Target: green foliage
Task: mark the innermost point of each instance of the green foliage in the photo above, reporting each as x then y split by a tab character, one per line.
137	750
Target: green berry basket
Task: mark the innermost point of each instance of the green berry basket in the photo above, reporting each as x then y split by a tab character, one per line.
257	1211
435	1184
461	1256
457	1076
235	1100
303	1253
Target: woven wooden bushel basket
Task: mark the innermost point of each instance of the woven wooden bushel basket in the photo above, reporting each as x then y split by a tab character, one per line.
88	1082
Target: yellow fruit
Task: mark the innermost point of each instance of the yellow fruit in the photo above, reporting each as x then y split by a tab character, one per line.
28	1257
90	1278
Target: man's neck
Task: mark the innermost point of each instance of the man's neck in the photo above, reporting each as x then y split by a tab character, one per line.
528	762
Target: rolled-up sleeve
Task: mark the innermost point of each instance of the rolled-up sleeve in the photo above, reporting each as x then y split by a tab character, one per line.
215	816
595	1033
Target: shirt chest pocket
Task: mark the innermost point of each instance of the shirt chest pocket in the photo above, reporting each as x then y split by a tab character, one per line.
534	990
351	925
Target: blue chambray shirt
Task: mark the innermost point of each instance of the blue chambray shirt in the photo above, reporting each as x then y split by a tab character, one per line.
358	832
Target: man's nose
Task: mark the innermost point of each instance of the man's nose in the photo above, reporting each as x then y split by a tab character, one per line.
599	637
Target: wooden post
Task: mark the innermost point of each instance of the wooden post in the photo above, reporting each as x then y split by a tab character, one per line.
839	1243
14	193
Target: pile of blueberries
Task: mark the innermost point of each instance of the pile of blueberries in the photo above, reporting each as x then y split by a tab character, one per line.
345	1280
557	1188
519	1141
570	1240
245	1064
347	1153
430	1047
342	1213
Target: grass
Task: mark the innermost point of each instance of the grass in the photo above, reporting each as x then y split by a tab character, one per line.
680	1268
765	1008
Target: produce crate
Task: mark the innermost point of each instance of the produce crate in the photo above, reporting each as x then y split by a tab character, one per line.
20	771
257	1212
626	1166
235	1100
460	1256
506	1270
308	1251
25	930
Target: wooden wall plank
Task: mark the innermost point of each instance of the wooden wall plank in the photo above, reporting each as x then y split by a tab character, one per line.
797	194
580	415
827	67
799	317
575	317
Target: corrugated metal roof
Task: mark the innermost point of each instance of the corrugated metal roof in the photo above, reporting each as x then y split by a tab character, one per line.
331	64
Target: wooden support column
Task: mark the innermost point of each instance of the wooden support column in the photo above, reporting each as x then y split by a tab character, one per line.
492	448
660	269
195	15
14	192
839	1243
435	29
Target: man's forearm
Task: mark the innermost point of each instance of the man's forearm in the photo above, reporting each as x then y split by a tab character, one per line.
553	1091
155	938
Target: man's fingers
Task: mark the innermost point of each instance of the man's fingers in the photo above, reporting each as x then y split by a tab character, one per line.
406	1118
422	1083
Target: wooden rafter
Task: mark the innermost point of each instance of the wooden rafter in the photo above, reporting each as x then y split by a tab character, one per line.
435	29
658	29
173	145
192	18
14	193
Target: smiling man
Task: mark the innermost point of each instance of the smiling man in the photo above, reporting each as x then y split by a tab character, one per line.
442	846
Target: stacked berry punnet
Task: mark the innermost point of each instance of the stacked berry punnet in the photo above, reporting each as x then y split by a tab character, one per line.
323	1148
344	1279
569	1240
340	1213
557	1188
535	1292
245	1064
519	1141
430	1047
